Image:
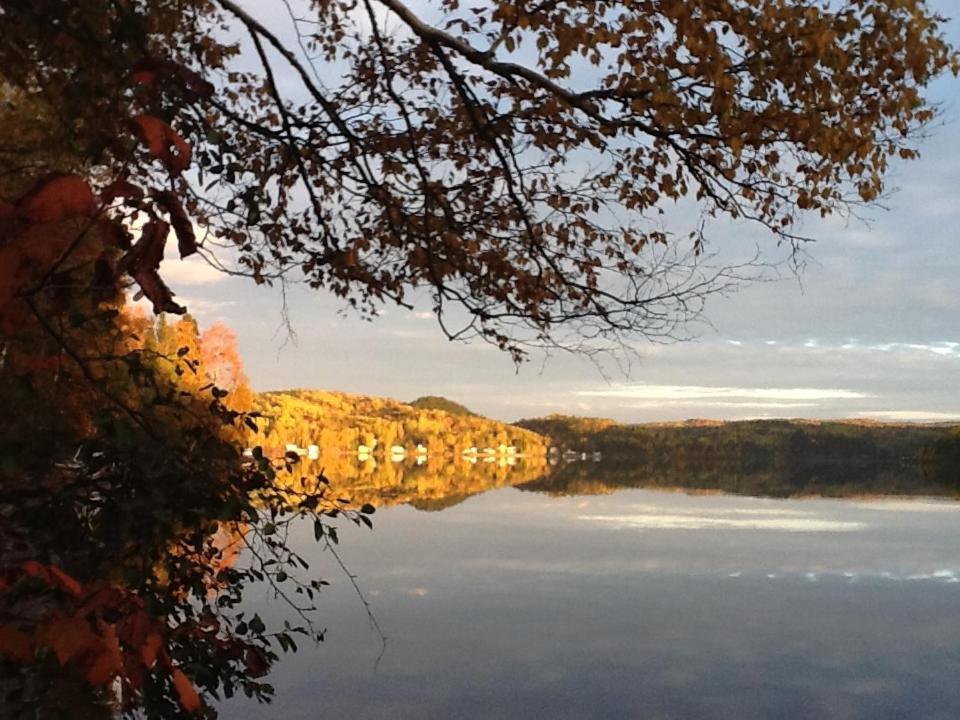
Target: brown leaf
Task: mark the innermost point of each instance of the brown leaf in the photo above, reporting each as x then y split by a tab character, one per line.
189	700
115	234
157	292
255	661
163	142
57	198
186	239
142	262
120	188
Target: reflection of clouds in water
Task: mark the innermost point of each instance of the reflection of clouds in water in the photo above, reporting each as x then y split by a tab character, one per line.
715	521
771	512
949	576
904	505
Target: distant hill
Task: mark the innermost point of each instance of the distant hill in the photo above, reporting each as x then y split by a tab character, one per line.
892	455
436	402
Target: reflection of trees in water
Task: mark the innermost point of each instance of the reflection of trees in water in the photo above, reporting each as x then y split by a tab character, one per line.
778	458
433	484
751	475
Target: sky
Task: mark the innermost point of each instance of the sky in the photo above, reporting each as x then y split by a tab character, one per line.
869	329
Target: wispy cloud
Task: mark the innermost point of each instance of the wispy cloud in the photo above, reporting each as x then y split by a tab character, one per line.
747	405
704	392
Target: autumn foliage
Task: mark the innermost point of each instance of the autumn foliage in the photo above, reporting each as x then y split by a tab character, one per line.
508	160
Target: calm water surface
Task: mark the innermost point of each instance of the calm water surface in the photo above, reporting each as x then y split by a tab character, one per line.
637	604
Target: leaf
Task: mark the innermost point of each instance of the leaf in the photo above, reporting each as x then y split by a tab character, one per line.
58	198
69	636
186	238
107	662
256	662
150	648
120	188
142	261
15	645
163	142
64	582
143	77
189	700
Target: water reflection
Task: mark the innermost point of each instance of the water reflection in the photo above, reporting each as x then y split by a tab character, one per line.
639	603
439	482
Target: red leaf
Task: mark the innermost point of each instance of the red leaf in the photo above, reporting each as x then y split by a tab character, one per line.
15	645
58	198
163	142
69	636
32	567
62	581
150	648
189	700
143	77
151	70
106	661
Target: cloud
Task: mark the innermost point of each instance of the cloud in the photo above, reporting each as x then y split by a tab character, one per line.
192	271
653	404
704	392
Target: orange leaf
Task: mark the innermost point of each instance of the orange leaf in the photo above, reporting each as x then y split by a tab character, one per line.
163	142
15	645
189	700
57	198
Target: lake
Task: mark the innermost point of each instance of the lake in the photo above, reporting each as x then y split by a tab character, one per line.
634	604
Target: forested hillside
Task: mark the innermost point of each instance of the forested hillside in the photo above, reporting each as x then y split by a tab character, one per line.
771	457
436	402
339	423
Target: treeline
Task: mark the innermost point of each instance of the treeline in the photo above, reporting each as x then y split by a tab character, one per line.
763	457
339	423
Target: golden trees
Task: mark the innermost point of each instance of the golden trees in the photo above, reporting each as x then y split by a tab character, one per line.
509	159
